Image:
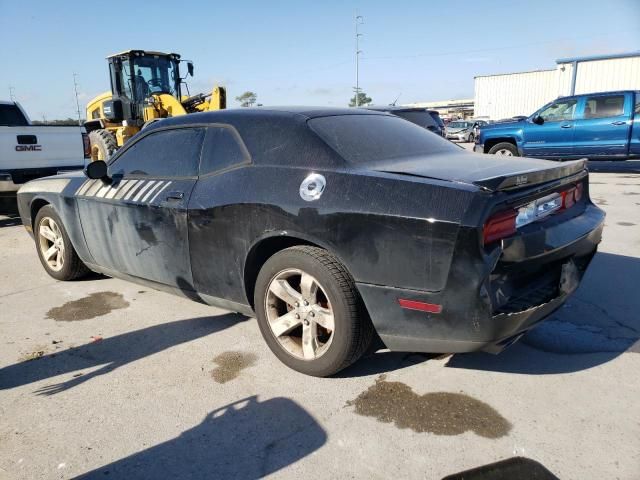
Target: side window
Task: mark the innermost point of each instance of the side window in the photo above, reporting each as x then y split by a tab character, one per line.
559	111
604	106
637	103
167	153
10	115
222	149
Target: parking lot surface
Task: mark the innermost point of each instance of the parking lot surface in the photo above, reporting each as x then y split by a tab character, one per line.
102	377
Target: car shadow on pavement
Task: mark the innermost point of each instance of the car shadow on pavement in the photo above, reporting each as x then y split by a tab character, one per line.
247	439
384	362
10	220
110	353
597	324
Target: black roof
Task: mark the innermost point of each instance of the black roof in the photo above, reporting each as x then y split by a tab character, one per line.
261	113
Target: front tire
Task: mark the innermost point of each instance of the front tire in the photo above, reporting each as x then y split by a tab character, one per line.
504	148
309	311
103	144
55	251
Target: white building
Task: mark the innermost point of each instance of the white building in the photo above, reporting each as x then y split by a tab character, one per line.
448	108
522	93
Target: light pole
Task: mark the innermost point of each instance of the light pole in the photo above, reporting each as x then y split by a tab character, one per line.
75	89
359	21
12	96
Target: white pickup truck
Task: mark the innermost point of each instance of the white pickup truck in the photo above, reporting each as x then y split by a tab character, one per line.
29	151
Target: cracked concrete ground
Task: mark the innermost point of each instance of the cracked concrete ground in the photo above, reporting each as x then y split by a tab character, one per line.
147	385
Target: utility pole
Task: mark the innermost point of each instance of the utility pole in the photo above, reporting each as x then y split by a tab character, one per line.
75	89
359	21
12	96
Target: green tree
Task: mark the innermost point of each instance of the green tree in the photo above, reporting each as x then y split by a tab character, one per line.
247	99
362	100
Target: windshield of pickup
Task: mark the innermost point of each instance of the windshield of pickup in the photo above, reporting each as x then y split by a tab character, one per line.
11	116
367	139
460	125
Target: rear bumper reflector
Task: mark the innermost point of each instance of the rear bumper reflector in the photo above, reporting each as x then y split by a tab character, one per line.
421	306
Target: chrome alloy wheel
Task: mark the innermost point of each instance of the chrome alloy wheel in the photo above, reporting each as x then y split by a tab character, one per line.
299	314
505	152
51	243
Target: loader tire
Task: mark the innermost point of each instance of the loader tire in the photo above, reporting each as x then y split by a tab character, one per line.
103	144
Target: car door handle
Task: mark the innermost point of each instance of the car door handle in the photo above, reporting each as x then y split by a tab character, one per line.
566	125
175	196
619	122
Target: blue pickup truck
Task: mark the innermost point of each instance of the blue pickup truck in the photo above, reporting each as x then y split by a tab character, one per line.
595	126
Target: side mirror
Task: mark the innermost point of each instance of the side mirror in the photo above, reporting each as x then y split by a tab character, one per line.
190	68
538	120
97	170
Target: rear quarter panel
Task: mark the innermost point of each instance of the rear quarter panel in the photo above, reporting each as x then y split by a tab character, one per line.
386	230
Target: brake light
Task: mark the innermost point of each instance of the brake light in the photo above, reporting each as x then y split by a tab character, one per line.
577	196
572	196
499	226
87	145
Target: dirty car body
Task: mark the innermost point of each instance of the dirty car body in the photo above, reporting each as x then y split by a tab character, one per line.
428	232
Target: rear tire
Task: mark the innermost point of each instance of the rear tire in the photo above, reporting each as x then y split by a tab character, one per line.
308	342
103	144
504	148
55	251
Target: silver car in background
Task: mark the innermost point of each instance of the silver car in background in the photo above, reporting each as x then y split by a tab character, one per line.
463	130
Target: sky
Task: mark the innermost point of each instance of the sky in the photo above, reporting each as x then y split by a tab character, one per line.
301	52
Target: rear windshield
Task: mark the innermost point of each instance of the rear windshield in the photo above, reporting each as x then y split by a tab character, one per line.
424	119
11	116
368	139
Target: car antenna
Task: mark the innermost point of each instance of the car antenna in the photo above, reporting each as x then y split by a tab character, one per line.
394	102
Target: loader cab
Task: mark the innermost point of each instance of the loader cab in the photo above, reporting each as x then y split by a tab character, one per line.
136	76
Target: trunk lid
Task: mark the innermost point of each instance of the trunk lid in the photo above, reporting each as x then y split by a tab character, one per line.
491	172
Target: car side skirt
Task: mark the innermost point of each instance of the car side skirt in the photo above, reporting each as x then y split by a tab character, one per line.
181	292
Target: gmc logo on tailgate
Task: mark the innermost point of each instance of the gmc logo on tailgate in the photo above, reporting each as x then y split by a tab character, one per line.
28	148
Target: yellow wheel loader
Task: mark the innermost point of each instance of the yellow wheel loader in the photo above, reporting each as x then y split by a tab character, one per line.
145	87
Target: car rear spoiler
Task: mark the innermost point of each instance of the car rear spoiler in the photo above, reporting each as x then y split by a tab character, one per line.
533	177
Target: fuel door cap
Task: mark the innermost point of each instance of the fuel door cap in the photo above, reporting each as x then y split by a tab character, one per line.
312	187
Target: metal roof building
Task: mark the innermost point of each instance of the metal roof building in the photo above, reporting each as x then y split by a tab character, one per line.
522	93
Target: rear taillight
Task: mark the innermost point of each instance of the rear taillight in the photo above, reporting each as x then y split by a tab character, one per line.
578	192
572	196
499	226
87	145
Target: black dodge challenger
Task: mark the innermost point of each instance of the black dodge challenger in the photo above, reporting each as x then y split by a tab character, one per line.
332	226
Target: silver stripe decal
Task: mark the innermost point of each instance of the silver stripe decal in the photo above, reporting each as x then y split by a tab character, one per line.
111	193
130	193
150	192
143	190
84	187
97	184
159	192
101	193
125	189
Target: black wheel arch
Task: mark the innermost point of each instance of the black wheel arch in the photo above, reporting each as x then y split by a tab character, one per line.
492	142
35	206
268	245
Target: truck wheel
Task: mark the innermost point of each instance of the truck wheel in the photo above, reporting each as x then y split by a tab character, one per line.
103	144
309	311
55	251
505	148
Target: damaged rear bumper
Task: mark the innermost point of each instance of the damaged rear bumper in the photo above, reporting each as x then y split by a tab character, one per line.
488	310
